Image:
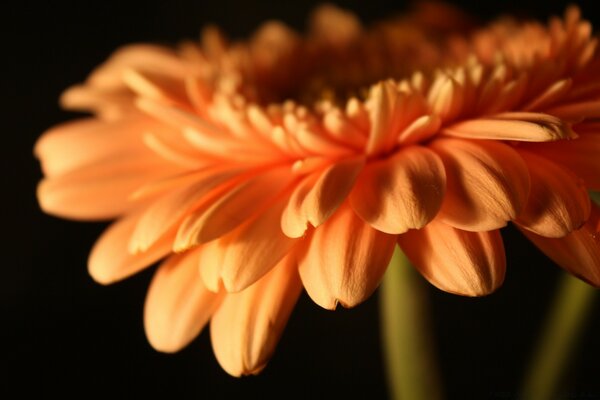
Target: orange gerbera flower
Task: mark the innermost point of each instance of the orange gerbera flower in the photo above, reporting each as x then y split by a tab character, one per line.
261	167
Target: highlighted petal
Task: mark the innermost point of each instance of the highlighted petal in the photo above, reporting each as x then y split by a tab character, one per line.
294	222
177	305
247	326
344	260
558	203
578	252
529	127
110	260
487	183
456	261
402	192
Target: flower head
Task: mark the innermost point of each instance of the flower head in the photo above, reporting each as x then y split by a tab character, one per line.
257	168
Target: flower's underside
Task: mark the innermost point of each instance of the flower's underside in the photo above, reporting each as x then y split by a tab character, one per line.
257	168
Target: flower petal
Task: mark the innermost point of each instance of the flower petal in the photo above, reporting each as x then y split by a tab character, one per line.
177	305
247	326
402	192
578	252
487	183
558	202
110	260
101	190
456	261
525	126
72	145
344	260
294	222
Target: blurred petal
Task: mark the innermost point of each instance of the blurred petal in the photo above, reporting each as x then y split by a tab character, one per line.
177	305
487	183
558	202
456	261
101	190
247	326
344	260
402	192
71	145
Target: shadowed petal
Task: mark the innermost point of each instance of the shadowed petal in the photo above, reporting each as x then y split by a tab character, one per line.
487	183
247	326
456	261
177	305
558	202
344	260
402	192
578	252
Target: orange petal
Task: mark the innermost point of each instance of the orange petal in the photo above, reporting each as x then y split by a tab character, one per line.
177	305
344	260
170	209
247	326
402	192
110	259
558	202
331	189
456	261
579	155
72	145
252	249
529	127
210	263
487	183
101	190
420	130
231	209
578	252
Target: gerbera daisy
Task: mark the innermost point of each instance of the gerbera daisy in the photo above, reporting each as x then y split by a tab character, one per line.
257	168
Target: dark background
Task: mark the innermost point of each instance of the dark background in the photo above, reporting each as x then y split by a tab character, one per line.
62	333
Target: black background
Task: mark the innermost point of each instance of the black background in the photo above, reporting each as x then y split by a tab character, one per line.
62	333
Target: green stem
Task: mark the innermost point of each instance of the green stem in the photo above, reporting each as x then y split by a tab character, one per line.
572	304
408	351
